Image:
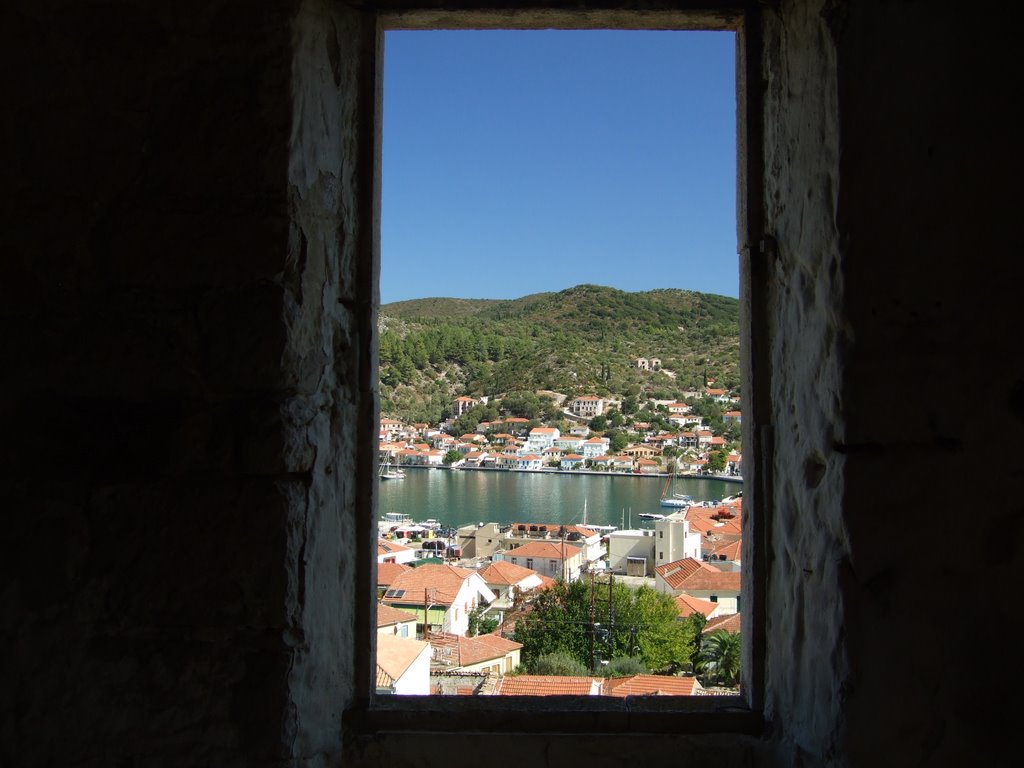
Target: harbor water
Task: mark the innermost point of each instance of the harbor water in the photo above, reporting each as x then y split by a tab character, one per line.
469	496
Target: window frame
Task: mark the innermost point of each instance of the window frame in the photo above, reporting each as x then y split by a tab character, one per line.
570	714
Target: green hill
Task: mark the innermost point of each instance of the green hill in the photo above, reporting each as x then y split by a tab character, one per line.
578	341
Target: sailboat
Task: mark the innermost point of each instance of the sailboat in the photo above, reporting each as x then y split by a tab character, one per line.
389	471
671	498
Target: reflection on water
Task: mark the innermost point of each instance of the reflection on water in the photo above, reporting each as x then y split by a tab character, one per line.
468	496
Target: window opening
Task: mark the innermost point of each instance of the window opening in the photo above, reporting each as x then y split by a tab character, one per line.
667	428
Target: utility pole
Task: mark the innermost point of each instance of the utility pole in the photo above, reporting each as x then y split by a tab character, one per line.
593	615
611	618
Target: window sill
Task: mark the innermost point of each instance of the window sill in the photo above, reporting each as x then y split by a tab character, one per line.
557	714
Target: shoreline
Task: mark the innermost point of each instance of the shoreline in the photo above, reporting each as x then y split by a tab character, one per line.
585	472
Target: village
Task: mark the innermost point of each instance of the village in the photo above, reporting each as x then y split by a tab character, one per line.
450	599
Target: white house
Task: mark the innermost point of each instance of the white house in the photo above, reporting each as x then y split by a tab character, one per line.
554	559
439	596
529	461
506	580
541	438
594	447
483	653
403	666
571	461
578	535
675	540
393	552
587	406
462	404
391	621
698	579
630	551
569	443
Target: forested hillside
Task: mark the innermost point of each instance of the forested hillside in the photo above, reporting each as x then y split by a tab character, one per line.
579	341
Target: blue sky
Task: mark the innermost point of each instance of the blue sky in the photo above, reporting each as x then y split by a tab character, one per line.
524	161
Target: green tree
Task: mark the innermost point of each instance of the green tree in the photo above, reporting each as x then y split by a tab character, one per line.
719	660
558	663
599	423
716	462
624	665
641	623
480	624
452	456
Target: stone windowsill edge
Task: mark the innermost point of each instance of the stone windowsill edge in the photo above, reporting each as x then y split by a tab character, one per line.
560	714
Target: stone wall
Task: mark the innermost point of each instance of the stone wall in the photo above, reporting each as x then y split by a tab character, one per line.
188	284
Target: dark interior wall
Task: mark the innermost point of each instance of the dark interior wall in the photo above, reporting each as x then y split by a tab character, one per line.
187	284
929	205
174	266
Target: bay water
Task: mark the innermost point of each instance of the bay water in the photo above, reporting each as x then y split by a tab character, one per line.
464	497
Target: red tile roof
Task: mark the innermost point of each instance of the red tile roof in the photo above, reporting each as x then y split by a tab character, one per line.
690	574
553	529
385	547
652	685
688	605
503	572
396	654
443	582
731	623
456	650
388	572
386	616
550	549
547	685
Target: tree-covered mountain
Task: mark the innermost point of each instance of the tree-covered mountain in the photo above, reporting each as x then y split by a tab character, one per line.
578	341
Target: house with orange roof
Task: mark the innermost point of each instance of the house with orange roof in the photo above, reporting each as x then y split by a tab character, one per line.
579	535
587	406
541	438
506	461
462	404
678	409
641	451
476	458
393	552
698	579
647	466
568	442
716	525
594	447
529	461
439	596
571	461
652	685
731	623
686	419
548	685
507	580
403	666
554	559
484	653
726	556
687	606
387	573
391	621
734	464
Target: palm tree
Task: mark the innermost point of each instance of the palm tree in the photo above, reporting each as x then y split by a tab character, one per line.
719	659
